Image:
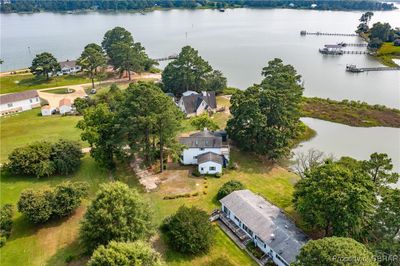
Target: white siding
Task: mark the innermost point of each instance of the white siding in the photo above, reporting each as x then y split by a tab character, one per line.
210	168
190	155
19	106
46	112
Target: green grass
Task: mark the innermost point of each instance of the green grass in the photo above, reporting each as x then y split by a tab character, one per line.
60	91
23	82
387	53
29	126
36	245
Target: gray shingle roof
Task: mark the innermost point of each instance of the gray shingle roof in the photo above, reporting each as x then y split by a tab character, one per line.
20	96
268	222
210	99
68	63
202	139
192	102
210	157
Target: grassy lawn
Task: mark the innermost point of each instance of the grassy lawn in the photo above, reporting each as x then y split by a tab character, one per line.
387	53
36	245
29	126
60	91
23	82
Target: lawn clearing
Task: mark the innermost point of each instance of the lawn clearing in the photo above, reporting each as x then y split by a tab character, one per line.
60	91
36	245
23	82
387	53
26	127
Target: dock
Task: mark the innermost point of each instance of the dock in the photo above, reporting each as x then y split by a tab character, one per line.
355	69
303	33
353	44
171	57
336	49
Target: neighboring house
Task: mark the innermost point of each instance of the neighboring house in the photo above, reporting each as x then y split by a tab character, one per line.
265	224
18	102
65	106
68	67
193	103
172	96
46	110
207	150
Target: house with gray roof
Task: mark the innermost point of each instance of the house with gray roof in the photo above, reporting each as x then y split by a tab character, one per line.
206	149
18	102
265	224
69	67
193	103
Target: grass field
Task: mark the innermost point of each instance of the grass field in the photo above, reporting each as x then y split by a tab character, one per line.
60	91
23	82
387	53
26	127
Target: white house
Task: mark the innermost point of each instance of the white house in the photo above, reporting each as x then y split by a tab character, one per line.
65	106
206	149
68	67
265	224
46	110
193	103
18	102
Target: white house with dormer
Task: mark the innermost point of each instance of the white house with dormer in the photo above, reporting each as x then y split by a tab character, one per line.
206	149
193	103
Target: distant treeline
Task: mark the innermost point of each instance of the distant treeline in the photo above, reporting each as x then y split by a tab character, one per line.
75	5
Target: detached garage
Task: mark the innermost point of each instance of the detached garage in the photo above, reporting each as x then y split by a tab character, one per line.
210	163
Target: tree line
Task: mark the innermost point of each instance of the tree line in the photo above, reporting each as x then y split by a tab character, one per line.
72	5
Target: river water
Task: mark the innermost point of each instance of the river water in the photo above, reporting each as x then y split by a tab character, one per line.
239	42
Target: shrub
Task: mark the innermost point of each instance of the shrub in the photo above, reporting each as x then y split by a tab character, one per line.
40	205
117	213
45	159
196	173
6	213
189	231
36	205
66	156
218	175
33	159
228	188
68	197
3	241
120	253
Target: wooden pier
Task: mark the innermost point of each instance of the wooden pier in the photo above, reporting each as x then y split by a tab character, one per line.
171	57
303	33
354	52
353	44
355	69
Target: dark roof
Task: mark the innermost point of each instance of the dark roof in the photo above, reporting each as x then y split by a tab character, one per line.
210	157
202	139
68	63
20	96
193	101
268	222
210	99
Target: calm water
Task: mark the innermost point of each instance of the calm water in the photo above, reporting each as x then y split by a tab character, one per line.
239	42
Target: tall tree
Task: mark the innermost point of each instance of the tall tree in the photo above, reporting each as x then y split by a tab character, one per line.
116	213
99	130
188	72
379	168
43	64
336	199
116	35
148	118
265	117
91	59
335	251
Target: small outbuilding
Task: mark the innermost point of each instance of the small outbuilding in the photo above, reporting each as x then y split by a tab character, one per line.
46	110
210	163
65	106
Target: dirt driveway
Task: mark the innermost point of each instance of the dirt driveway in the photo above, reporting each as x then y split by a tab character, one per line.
54	99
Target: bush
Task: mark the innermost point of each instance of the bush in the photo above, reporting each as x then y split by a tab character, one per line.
40	205
189	231
3	241
228	188
196	173
230	91
68	197
6	213
120	253
45	159
117	213
36	205
66	156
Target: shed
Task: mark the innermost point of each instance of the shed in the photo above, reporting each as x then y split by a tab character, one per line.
46	110
65	106
210	163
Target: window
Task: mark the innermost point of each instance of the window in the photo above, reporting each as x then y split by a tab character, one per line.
37	99
202	149
212	168
247	230
30	100
194	157
202	169
10	105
